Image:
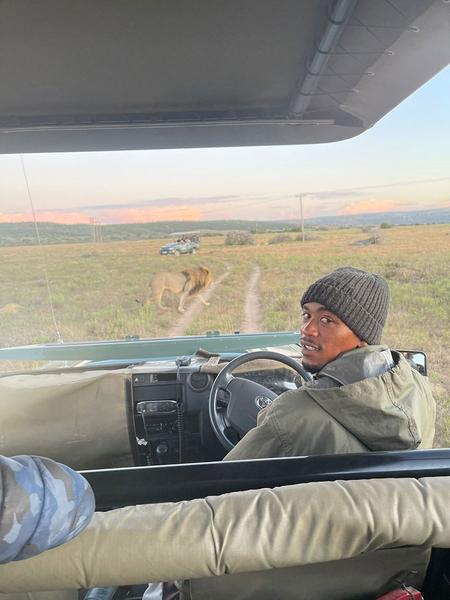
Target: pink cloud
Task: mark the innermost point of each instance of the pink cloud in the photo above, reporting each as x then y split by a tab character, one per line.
146	215
46	216
114	215
368	206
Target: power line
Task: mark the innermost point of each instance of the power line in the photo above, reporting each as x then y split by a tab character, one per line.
263	200
374	187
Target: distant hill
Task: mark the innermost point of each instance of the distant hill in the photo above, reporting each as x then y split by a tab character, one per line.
23	234
413	217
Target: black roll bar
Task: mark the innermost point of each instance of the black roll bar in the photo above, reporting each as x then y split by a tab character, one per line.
114	488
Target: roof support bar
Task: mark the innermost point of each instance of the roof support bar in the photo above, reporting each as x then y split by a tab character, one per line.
337	20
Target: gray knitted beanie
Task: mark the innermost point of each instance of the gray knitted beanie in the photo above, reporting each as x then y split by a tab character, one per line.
359	298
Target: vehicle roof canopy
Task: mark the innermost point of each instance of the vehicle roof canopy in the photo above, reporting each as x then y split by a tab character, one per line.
111	75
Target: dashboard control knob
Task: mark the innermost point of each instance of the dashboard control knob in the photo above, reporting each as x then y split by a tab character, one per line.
162	448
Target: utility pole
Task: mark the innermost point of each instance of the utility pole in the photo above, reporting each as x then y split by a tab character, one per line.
96	231
92	223
302	223
99	232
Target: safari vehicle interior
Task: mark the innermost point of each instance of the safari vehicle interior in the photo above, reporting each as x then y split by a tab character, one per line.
149	420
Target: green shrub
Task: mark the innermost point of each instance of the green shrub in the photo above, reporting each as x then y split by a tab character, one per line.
239	238
280	238
308	237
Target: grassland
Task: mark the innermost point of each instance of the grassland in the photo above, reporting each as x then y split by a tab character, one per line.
94	289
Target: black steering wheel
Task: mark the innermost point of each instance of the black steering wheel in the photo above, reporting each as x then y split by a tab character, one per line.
234	402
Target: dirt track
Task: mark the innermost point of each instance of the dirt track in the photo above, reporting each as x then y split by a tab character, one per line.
252	318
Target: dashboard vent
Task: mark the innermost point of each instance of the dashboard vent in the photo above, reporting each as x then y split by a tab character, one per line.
164	377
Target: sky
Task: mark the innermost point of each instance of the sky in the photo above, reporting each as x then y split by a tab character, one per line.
402	163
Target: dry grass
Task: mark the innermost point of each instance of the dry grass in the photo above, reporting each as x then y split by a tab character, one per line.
95	288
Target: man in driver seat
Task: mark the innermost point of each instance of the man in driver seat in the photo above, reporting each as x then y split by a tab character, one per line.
364	397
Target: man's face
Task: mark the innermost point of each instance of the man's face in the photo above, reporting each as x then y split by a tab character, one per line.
324	336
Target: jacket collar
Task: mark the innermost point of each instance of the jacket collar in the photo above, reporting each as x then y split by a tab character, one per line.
356	365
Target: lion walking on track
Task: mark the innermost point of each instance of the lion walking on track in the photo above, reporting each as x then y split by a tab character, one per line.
189	282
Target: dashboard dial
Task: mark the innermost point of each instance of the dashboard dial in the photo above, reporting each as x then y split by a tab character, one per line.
199	381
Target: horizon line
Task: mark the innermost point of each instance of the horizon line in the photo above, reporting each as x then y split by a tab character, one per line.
268	220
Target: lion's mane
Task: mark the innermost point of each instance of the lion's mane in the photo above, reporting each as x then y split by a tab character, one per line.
197	279
190	281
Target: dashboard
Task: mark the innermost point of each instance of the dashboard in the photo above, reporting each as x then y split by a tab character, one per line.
168	407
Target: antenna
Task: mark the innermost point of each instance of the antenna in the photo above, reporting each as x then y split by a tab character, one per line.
38	236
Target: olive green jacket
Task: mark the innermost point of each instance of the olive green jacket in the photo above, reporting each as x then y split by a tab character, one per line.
347	409
366	400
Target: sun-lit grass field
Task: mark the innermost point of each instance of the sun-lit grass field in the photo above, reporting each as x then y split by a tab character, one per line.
97	290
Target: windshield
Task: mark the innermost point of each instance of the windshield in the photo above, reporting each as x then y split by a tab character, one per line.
96	246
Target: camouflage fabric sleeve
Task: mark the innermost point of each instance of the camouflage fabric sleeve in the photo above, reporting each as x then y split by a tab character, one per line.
42	505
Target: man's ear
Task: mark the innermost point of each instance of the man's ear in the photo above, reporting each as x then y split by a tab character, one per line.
361	344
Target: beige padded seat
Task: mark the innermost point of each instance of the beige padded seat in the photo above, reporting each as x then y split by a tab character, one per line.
257	530
78	418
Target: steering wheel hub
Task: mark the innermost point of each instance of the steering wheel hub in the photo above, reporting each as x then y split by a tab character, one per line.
262	402
235	402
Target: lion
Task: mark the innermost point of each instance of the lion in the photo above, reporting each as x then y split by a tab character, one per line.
189	282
